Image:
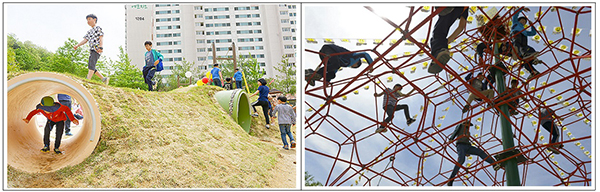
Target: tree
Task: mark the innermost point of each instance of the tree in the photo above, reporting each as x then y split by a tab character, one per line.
125	74
248	65
287	81
68	60
179	70
11	60
28	56
310	180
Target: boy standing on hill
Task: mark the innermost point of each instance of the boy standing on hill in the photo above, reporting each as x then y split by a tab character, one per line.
95	37
216	75
152	58
227	84
287	118
56	114
238	78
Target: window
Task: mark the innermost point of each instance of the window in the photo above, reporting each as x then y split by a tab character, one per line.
168	59
200	24
254	8
283	12
197	16
258	39
292	14
175	5
176	50
293	30
260	56
176	42
199	32
163	5
165	51
219	41
289	55
218	25
164	43
260	47
210	33
288	46
209	58
217	9
221	17
285	21
200	49
241	8
261	64
199	41
176	19
222	48
291	64
202	67
163	27
244	24
222	32
177	59
209	49
285	29
292	22
163	12
176	34
176	26
294	38
201	58
291	6
197	7
246	48
287	38
246	40
163	19
243	16
176	11
257	31
164	35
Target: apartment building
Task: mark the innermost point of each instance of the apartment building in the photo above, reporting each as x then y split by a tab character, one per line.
187	31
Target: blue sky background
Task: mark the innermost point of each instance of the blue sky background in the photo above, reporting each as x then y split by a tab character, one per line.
353	21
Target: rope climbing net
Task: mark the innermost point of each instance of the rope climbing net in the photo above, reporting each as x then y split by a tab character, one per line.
340	122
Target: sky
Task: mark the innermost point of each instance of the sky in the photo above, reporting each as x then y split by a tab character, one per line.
49	25
353	21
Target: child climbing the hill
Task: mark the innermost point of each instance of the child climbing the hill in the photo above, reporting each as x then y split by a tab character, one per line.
227	85
478	85
287	118
95	37
238	78
526	52
439	42
216	75
152	58
56	115
335	62
547	118
464	148
390	105
263	100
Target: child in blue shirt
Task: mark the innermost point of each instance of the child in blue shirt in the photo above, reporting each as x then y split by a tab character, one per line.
287	118
238	78
263	100
527	53
216	75
152	58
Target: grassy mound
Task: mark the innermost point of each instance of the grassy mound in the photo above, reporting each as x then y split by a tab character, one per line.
177	139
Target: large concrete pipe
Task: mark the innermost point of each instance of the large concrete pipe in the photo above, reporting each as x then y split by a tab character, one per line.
24	141
237	104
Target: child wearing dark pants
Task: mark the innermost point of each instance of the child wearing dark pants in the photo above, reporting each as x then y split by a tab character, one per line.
263	100
547	121
464	148
335	62
65	100
440	39
56	115
390	105
152	58
287	118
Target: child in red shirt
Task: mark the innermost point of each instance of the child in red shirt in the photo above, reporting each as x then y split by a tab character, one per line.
56	114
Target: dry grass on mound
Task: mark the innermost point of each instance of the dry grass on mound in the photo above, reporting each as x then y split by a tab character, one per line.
177	139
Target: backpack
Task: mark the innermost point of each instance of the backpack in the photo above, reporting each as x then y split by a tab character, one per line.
159	66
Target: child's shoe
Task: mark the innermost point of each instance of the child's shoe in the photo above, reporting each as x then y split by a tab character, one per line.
105	80
286	147
45	149
466	108
268	126
57	151
443	57
380	129
410	121
293	144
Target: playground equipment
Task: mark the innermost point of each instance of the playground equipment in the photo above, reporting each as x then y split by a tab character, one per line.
237	104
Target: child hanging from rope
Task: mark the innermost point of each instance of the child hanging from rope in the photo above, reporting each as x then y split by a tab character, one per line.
440	39
490	79
547	118
513	92
390	105
526	52
479	85
464	148
56	115
335	62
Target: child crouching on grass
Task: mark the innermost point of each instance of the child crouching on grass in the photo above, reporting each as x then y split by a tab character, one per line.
287	118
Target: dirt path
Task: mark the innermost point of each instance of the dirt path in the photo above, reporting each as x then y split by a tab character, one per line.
284	174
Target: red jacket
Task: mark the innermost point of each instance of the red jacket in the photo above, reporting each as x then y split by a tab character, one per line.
58	115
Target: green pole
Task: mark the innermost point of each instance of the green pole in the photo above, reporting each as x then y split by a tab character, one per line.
512	170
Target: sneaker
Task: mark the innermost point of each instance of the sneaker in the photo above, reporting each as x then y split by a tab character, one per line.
105	80
69	134
554	150
380	129
285	147
497	167
153	82
443	57
45	149
293	144
536	61
268	126
410	121
466	108
57	151
254	115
